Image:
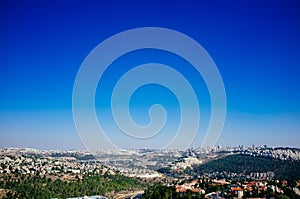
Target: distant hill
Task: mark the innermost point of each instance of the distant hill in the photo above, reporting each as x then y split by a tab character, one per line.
288	170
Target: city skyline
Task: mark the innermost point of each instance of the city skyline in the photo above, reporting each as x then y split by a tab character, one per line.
253	44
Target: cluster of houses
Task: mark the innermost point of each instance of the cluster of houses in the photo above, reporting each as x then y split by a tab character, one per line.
189	186
277	153
237	190
68	166
49	165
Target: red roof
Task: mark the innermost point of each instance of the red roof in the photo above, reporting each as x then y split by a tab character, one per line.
236	189
284	182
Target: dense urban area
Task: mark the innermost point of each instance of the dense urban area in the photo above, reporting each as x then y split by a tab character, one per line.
219	172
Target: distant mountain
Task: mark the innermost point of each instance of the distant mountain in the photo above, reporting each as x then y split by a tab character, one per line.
247	164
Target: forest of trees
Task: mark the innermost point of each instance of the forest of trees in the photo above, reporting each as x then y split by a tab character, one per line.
285	170
158	191
36	187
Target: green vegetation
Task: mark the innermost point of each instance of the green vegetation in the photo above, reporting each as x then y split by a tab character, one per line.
288	170
42	187
158	191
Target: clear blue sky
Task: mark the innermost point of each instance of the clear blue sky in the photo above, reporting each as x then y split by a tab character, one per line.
255	45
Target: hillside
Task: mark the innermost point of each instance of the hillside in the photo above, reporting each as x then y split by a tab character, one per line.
289	170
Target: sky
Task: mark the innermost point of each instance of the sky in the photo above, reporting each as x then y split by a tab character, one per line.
254	44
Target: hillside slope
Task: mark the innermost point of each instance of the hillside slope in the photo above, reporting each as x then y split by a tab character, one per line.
289	170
